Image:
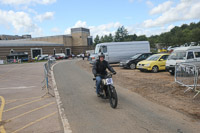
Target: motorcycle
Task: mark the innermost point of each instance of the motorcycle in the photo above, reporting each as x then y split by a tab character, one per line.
107	90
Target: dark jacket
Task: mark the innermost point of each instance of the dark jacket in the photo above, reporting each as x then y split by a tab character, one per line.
100	68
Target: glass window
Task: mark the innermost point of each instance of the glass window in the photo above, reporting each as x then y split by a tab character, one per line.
96	50
197	54
177	55
164	57
142	57
153	57
104	49
135	56
190	55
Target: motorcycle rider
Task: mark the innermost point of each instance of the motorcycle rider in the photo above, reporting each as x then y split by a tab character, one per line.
99	71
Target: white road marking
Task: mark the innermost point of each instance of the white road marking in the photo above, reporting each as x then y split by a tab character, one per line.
17	88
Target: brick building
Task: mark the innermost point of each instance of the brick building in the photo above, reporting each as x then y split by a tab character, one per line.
77	42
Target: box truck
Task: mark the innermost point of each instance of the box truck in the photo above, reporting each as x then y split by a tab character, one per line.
117	51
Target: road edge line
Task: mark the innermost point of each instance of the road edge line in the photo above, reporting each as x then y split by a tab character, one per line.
2	130
63	117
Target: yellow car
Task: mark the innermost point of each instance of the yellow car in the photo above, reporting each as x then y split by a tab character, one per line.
153	63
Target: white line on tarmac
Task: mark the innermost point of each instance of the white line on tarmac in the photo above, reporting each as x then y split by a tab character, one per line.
17	88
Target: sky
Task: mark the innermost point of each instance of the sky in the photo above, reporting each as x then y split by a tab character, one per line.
57	17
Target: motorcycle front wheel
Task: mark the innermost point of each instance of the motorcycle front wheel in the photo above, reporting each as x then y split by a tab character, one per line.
112	96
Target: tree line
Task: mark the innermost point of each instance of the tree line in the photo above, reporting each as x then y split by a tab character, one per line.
185	34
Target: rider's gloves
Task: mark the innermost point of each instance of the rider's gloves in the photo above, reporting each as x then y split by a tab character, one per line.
114	73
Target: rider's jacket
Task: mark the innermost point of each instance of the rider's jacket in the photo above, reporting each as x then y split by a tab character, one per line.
99	68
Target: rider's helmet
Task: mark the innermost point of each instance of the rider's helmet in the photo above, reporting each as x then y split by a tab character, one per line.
101	55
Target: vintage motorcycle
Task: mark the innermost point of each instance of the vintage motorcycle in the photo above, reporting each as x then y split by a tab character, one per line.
107	90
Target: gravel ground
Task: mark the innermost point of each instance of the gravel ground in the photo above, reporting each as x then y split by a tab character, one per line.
157	87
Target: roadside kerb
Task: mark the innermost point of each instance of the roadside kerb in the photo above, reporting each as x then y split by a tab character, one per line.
63	117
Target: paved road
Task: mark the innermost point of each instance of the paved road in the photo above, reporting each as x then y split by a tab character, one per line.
87	113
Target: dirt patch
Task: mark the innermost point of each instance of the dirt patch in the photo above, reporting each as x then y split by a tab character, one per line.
157	87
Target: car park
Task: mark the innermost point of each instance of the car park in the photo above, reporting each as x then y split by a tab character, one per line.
153	63
132	62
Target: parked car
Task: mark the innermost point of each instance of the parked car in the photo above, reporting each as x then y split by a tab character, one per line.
132	62
59	56
42	57
182	54
51	58
153	63
116	52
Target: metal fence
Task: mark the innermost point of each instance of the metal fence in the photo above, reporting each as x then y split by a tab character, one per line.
187	74
47	77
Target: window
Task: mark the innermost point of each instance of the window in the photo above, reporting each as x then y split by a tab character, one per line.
197	54
164	57
11	51
103	49
142	57
190	55
54	51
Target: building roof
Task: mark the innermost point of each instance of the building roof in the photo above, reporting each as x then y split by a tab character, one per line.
23	43
80	29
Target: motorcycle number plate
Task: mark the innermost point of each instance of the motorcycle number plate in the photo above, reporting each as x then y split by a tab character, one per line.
109	81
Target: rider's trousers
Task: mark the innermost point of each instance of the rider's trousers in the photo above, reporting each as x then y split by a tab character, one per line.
98	82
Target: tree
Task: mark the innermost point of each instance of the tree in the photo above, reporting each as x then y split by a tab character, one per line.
141	38
105	38
131	37
102	40
120	34
96	40
110	38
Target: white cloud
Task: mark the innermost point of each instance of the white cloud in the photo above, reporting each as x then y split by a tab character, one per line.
80	24
20	22
161	8
45	16
185	10
103	29
139	30
149	3
106	29
56	30
26	2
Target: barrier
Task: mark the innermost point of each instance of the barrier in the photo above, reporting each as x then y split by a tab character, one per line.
187	74
47	77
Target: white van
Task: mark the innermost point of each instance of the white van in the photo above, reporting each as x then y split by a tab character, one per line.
182	54
115	52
